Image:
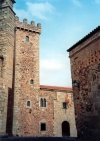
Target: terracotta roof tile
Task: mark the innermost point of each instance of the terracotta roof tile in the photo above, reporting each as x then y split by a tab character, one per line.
55	88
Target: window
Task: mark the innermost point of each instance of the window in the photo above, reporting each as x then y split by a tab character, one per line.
31	81
28	103
43	127
43	102
64	105
27	39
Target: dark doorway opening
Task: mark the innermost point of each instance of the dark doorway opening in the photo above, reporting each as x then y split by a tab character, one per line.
9	122
65	129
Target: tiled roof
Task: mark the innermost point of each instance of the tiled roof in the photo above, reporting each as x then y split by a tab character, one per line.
83	39
55	88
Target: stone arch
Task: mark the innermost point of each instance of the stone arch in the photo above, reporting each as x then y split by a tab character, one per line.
65	128
58	125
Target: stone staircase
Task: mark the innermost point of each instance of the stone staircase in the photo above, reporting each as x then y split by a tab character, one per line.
39	139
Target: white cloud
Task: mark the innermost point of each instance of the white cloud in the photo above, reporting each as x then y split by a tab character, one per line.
77	3
38	10
51	64
55	71
21	13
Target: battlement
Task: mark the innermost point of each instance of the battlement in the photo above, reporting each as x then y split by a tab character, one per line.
29	27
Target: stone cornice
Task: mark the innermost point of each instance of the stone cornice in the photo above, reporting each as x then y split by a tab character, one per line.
84	44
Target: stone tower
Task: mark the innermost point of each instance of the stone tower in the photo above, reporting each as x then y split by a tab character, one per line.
7	25
26	84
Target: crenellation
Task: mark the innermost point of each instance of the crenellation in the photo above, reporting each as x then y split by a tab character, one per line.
28	27
39	25
25	21
33	23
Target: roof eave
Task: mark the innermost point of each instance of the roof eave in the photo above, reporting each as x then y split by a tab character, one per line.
83	39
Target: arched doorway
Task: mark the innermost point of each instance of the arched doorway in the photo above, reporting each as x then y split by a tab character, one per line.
65	128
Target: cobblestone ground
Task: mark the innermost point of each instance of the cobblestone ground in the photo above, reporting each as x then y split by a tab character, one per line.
39	139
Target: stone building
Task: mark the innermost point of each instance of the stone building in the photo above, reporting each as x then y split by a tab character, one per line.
26	107
85	70
59	115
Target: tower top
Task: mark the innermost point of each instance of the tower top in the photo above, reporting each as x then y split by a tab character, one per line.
28	27
5	3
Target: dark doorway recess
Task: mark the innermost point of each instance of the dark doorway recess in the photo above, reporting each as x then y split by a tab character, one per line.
9	122
65	129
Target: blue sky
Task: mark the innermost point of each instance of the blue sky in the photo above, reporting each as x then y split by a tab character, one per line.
64	22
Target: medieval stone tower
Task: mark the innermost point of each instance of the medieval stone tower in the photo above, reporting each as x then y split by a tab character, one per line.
19	70
26	77
7	26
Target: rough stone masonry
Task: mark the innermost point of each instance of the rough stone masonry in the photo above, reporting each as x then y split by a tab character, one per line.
85	70
26	107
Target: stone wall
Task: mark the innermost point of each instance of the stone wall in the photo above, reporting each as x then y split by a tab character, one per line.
61	114
46	114
85	70
54	114
7	24
27	86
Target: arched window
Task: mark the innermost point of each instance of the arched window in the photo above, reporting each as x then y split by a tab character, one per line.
28	103
31	81
27	39
41	102
44	102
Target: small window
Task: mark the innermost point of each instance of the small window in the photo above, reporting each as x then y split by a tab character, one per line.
64	105
27	39
43	102
28	103
31	81
43	126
